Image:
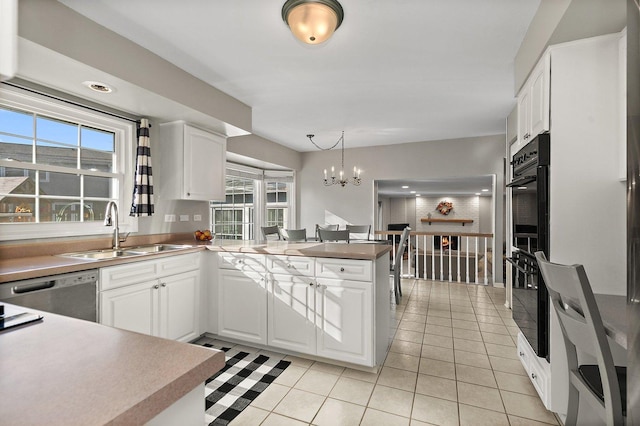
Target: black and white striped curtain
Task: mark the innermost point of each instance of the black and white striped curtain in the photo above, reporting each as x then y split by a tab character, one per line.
142	204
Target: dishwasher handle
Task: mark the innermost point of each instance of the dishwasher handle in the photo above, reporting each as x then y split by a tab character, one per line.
28	288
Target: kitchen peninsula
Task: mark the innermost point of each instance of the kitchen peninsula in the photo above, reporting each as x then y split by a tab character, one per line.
322	300
64	371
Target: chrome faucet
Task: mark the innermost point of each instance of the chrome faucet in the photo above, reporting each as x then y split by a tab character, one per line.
109	214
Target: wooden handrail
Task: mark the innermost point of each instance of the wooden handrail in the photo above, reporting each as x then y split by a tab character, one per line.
452	234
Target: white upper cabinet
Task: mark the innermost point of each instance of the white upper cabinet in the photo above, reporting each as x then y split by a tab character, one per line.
193	162
533	102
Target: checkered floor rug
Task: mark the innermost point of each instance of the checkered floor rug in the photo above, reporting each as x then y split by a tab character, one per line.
240	381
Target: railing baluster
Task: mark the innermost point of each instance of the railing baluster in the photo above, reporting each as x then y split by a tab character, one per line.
450	270
458	256
468	272
476	262
486	271
433	257
424	260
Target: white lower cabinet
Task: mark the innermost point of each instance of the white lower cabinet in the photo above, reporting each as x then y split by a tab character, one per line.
323	307
344	320
131	308
242	305
164	306
538	369
291	313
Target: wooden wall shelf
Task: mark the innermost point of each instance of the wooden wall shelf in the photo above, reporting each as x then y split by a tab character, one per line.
437	220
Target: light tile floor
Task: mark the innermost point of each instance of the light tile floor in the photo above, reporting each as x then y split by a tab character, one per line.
452	362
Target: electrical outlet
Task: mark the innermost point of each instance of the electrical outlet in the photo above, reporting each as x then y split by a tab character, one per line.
184	218
169	217
197	218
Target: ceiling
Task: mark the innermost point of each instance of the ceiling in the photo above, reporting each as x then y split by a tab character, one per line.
441	187
394	72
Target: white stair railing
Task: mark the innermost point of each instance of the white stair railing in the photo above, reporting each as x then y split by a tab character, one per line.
452	257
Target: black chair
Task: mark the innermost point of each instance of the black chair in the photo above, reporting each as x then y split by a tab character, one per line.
603	385
328	235
294	234
270	230
395	268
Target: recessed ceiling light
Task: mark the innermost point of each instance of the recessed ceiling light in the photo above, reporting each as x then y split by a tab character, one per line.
412	192
485	190
99	87
417	195
477	193
405	187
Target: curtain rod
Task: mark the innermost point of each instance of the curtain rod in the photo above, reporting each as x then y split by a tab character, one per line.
78	104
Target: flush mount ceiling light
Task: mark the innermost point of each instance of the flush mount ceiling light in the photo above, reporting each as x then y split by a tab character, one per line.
312	21
97	86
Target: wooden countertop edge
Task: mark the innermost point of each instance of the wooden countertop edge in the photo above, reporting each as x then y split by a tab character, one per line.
157	402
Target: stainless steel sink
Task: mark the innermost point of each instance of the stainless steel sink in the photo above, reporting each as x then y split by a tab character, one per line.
155	248
124	252
99	254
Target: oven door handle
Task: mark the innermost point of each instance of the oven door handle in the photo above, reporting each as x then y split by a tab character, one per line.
522	180
518	267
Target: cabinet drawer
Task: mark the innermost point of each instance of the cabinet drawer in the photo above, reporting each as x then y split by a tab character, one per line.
132	273
346	269
295	265
539	379
242	262
178	264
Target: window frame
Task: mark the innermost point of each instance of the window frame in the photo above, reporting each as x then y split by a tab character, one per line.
125	145
260	205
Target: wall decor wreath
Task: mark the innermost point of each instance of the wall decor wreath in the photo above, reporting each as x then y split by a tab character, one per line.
445	207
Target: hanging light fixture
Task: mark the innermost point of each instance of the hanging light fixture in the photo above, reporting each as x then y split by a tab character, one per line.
312	21
355	180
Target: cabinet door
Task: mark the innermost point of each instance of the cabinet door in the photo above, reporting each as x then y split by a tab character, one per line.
539	113
291	313
179	312
344	319
131	308
204	165
242	305
524	131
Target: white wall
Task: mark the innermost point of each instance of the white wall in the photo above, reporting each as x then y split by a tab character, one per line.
463	208
444	158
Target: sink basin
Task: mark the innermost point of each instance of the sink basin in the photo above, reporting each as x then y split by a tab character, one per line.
155	248
99	254
125	252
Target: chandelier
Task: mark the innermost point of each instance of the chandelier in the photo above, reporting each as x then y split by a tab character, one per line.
355	180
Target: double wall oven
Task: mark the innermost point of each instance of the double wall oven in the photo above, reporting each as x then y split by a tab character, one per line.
530	233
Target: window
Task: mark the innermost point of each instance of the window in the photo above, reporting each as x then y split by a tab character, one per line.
234	219
254	198
59	167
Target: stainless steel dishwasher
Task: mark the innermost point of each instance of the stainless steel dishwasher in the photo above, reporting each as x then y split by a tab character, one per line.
73	295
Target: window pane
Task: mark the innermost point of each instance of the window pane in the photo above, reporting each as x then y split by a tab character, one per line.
16	122
72	211
56	155
17	181
16	148
96	160
57	131
98	187
97	139
61	184
271	197
17	210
